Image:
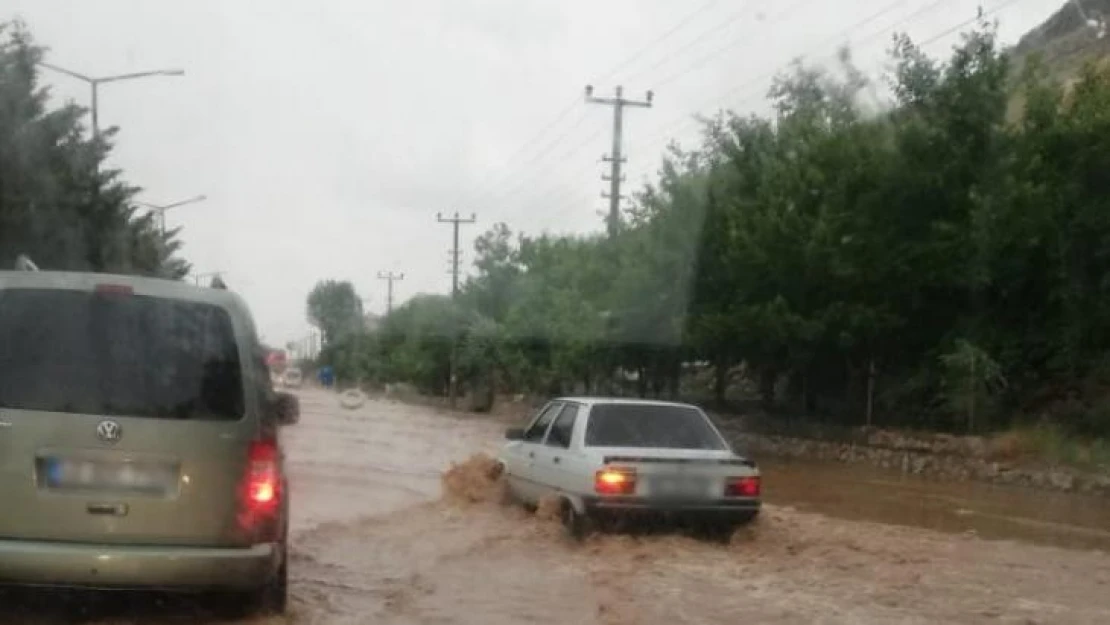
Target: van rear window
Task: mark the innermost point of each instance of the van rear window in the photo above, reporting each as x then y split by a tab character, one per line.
120	355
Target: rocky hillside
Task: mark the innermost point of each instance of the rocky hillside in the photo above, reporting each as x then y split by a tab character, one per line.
1070	37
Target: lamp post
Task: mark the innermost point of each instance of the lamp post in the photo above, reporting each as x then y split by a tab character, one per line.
95	82
210	274
160	209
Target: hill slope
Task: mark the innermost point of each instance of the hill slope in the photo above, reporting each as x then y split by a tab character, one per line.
1067	39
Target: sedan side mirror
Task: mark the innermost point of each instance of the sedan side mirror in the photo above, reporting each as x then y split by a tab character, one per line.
514	434
287	408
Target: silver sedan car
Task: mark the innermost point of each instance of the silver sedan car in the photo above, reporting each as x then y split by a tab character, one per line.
614	458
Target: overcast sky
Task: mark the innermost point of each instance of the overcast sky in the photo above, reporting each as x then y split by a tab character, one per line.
327	135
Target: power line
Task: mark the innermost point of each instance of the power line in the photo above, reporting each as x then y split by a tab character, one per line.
964	23
521	181
657	40
485	199
492	182
667	133
488	187
685	120
718	51
702	38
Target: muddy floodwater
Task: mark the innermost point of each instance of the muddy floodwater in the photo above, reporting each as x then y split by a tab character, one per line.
985	510
376	540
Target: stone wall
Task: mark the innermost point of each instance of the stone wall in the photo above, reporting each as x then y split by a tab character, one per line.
938	456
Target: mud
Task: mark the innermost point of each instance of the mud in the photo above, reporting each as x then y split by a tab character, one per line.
398	519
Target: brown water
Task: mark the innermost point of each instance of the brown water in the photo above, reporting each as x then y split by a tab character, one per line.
375	542
988	511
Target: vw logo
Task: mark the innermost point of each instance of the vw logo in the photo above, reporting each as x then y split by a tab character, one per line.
109	431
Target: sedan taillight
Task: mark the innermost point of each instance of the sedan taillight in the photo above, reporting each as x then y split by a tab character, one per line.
615	482
747	486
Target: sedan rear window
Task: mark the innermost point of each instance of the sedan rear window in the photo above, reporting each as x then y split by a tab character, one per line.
648	426
118	354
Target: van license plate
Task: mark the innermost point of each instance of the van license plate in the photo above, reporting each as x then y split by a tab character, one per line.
77	474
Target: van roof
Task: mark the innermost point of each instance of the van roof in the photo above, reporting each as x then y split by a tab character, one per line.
87	281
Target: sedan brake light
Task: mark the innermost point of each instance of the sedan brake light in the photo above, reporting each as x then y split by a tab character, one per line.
748	486
615	481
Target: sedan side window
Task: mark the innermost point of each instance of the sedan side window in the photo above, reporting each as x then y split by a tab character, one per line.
534	434
559	436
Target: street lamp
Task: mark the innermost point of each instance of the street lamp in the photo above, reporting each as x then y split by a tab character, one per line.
210	274
95	83
161	209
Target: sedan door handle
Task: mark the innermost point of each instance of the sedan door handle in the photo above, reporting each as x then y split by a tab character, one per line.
556	459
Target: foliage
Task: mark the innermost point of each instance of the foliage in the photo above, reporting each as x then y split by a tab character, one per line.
939	262
972	378
58	203
335	308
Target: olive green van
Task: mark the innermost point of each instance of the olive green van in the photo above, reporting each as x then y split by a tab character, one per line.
139	439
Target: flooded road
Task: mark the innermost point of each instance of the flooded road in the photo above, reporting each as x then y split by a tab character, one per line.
374	542
989	511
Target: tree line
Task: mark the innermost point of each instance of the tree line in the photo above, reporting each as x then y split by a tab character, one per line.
939	262
59	203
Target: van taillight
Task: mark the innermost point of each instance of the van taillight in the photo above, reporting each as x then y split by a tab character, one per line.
262	484
748	486
615	482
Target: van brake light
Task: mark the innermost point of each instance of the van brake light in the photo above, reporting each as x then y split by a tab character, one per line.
263	481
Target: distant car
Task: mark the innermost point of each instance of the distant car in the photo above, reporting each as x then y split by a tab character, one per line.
139	438
610	458
292	377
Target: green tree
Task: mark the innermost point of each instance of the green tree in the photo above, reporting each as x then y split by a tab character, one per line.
59	204
939	263
335	308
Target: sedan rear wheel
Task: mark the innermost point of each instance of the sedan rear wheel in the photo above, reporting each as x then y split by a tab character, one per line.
722	530
577	524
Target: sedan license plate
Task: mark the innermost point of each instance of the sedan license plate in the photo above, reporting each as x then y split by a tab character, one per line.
679	487
93	475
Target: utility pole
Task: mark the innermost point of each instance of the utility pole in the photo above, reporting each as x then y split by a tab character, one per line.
455	221
453	387
389	277
616	158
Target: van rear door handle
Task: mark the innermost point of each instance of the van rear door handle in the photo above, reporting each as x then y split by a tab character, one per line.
108	509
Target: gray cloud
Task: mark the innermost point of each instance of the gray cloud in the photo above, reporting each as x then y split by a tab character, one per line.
327	135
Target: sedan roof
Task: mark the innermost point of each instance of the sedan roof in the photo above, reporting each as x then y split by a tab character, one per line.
622	400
